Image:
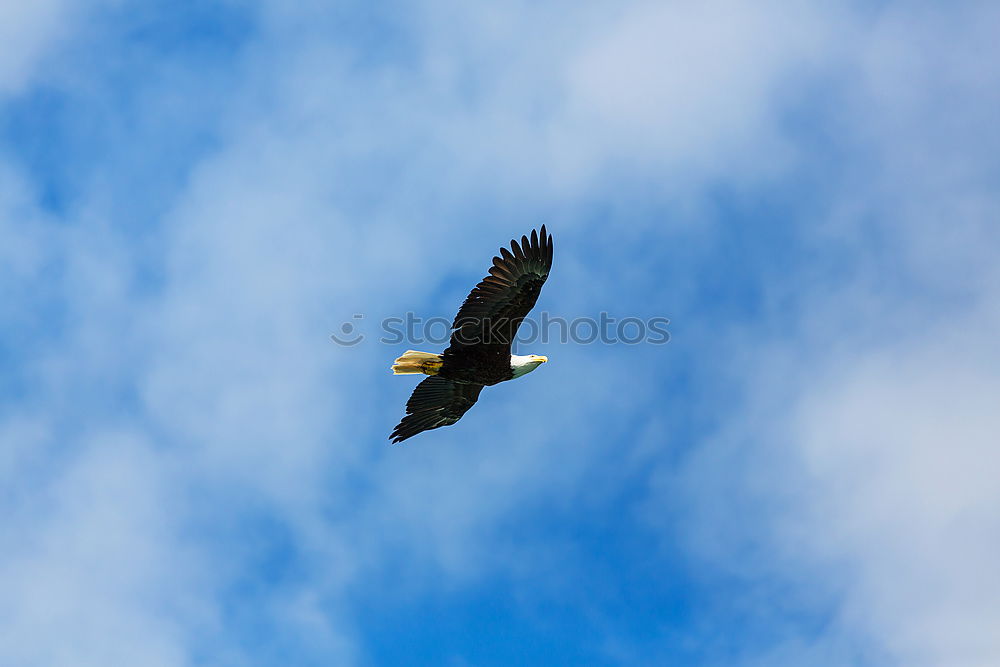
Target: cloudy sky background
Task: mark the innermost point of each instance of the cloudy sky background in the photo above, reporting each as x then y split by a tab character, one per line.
192	201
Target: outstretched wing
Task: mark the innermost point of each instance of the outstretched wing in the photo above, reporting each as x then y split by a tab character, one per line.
435	402
496	307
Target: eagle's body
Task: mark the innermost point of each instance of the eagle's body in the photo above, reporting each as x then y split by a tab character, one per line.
482	334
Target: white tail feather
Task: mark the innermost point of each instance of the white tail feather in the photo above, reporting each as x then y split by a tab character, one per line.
417	363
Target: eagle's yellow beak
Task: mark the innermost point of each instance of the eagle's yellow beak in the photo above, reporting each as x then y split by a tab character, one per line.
540	358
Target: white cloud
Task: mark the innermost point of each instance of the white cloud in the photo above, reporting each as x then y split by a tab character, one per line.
95	575
899	453
27	29
698	86
861	470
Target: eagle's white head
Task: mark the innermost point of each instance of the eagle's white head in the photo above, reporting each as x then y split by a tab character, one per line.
522	365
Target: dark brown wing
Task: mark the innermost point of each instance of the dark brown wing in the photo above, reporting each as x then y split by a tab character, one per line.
496	307
435	402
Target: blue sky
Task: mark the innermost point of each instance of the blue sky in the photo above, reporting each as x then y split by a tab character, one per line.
193	200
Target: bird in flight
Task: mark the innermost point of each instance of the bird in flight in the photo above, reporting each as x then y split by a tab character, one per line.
479	353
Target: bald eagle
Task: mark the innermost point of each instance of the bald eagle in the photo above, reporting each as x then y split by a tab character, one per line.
479	353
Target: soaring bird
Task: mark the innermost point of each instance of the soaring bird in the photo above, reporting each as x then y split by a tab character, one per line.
479	353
